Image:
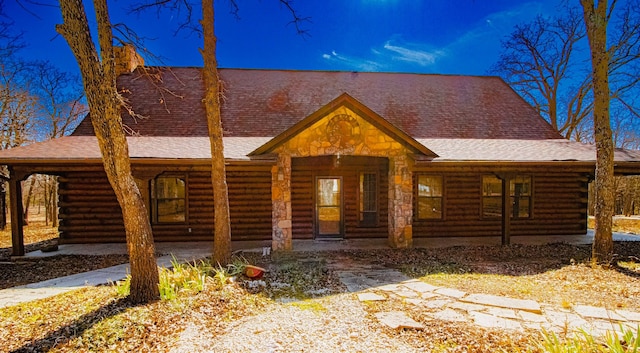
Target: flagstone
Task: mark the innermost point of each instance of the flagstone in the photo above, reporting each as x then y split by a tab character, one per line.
450	292
429	295
406	293
415	301
420	287
398	319
504	302
565	320
605	326
388	287
437	303
629	315
538	326
368	296
597	313
490	321
448	315
502	312
532	317
468	306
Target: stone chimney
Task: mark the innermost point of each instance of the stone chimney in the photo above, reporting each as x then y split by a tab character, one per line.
127	59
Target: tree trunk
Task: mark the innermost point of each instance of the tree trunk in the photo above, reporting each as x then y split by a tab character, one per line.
47	195
222	229
596	23
53	213
99	80
3	205
27	202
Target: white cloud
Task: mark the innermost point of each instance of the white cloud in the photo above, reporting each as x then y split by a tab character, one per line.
413	55
390	56
471	52
353	63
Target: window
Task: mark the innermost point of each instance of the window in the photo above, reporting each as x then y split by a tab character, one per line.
519	192
368	199
169	199
429	197
491	196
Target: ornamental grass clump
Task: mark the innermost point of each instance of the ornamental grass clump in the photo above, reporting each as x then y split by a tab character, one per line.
187	277
180	277
626	340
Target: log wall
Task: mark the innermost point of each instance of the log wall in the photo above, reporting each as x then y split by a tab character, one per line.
89	211
559	204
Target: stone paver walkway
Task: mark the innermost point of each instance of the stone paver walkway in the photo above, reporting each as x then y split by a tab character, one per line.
377	283
372	282
49	288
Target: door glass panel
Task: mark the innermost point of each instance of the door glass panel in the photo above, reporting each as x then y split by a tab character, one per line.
329	206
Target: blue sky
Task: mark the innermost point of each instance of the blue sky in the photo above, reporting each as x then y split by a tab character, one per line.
421	36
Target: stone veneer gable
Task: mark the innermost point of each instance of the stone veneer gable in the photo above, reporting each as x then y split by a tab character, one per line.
343	132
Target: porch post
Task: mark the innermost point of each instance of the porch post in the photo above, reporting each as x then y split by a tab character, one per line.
17	213
281	204
506	209
400	202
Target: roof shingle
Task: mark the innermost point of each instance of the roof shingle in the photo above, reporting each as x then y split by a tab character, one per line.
85	149
261	103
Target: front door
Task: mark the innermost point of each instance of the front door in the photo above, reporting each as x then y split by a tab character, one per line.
329	213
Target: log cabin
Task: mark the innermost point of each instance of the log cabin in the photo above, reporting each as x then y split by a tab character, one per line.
324	155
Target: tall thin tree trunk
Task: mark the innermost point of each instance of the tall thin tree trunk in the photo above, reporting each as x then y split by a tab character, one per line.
3	205
53	205
595	18
27	202
222	229
46	201
99	80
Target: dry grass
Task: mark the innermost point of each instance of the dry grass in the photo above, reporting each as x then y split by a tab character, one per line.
97	319
36	234
558	274
621	224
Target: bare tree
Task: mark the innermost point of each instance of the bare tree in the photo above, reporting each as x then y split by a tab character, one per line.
222	223
61	107
16	107
60	100
99	81
596	18
543	62
537	60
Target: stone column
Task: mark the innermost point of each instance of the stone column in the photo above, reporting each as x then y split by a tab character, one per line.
281	201
400	202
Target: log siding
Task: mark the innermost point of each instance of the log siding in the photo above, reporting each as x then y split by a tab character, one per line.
558	204
89	211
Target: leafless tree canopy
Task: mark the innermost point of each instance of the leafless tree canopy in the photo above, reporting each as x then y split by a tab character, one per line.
546	61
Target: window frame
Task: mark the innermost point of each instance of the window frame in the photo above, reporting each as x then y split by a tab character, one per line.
484	197
512	197
155	200
441	197
362	221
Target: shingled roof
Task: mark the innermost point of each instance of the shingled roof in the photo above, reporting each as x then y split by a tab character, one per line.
84	149
260	103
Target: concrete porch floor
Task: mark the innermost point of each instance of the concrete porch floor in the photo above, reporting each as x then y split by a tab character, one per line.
196	250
